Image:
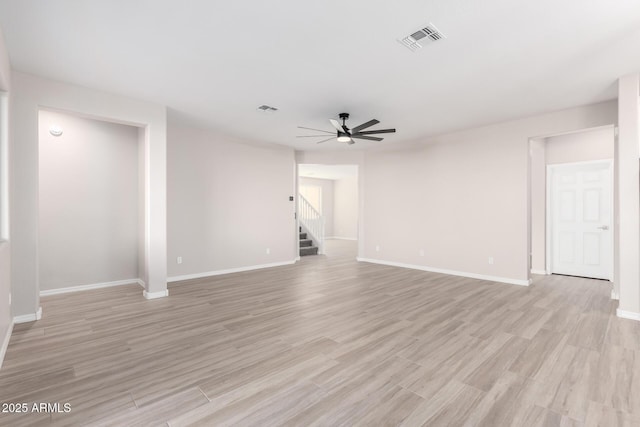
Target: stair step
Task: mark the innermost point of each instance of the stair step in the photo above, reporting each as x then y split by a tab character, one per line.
306	243
303	236
308	250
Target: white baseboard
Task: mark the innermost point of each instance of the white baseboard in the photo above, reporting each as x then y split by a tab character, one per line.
5	342
296	259
614	294
341	238
230	270
543	272
451	272
155	295
25	318
628	314
90	287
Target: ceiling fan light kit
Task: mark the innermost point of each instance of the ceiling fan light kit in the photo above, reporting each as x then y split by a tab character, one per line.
344	134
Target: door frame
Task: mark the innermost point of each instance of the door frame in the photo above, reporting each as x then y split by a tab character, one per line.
4	167
549	215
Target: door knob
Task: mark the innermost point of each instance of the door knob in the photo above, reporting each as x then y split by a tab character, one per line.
603	227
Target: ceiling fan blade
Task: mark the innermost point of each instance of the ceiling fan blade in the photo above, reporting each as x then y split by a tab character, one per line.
368	138
312	136
325	140
319	130
364	125
336	124
373	132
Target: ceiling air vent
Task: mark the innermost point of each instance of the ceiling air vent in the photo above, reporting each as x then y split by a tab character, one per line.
424	35
267	109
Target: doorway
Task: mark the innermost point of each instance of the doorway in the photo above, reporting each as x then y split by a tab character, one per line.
571	190
333	192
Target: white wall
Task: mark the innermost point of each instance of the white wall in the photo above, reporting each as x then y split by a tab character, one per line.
345	210
228	203
592	144
328	206
462	197
29	95
88	202
6	316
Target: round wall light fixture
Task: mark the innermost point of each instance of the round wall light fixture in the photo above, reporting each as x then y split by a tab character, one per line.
55	130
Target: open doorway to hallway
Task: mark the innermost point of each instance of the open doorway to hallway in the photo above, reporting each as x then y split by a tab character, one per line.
328	209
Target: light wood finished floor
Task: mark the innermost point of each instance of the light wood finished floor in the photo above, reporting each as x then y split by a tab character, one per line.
330	341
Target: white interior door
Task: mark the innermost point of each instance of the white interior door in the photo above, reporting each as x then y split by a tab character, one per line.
581	219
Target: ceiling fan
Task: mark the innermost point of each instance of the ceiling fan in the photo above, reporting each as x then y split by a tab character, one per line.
344	134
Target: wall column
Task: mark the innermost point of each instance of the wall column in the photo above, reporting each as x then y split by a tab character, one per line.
628	209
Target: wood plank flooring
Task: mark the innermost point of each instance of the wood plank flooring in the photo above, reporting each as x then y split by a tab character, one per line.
329	342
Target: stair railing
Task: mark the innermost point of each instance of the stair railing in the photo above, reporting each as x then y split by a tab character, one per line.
313	221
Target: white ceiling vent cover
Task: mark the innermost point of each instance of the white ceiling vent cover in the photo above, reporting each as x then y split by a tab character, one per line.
429	33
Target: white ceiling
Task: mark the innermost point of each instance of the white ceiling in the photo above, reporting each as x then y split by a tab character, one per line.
214	62
327	171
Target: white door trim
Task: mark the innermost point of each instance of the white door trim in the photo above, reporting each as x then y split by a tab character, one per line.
549	224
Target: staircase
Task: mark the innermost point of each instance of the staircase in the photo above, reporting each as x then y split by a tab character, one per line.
313	223
306	245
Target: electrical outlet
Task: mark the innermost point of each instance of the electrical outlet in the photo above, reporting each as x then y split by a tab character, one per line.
179	260
268	251
490	260
377	248
421	252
